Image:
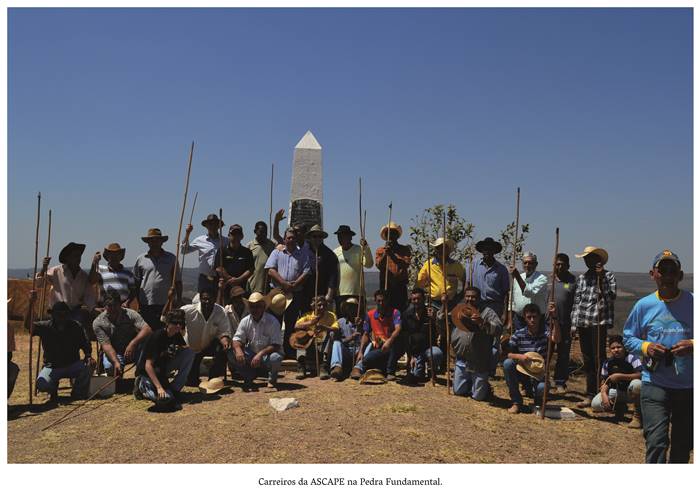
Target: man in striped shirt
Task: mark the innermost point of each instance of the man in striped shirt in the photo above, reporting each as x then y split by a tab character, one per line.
114	275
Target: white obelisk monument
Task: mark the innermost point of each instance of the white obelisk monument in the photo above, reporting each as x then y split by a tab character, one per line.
306	201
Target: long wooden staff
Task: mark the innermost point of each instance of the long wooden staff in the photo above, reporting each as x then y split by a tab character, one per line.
362	304
43	302
318	370
31	304
266	286
179	233
471	269
386	250
551	328
220	296
194	203
430	321
444	285
513	262
110	382
598	333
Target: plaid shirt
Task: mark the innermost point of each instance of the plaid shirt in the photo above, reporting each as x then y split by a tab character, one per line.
586	312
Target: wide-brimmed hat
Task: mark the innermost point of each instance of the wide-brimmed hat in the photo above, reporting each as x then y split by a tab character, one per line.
80	247
256	297
534	367
449	244
344	228
154	233
602	253
461	315
300	340
114	248
489	242
373	377
317	229
390	226
277	301
213	218
212	386
347	302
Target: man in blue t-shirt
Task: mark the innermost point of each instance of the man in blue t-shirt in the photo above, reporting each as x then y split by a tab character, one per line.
660	330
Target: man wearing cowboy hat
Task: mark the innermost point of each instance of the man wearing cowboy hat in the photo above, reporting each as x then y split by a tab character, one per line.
593	313
398	258
257	344
659	329
205	246
352	260
477	326
69	283
327	263
490	276
526	349
238	262
153	271
113	275
346	343
324	323
530	287
261	247
62	340
164	353
289	267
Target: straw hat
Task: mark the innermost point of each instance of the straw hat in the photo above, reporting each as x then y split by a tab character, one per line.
212	386
602	253
114	248
80	247
317	229
534	367
350	301
390	226
449	244
277	302
373	377
153	234
461	316
300	340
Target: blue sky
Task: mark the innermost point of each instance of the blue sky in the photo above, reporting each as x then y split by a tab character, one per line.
588	111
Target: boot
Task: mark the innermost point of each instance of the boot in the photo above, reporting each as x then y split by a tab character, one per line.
324	375
636	422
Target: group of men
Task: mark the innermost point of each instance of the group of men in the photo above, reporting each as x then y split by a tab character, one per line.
257	304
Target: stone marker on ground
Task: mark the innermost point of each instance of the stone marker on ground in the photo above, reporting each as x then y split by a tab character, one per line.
557	412
283	404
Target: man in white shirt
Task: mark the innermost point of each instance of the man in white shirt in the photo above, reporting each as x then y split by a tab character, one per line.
257	344
206	247
529	287
352	259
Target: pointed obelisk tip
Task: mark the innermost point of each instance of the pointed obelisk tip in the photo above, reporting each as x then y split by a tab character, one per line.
308	141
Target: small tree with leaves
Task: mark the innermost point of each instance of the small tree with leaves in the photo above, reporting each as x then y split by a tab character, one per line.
507	239
427	226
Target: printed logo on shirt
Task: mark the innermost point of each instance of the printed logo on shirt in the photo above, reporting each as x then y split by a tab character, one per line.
668	323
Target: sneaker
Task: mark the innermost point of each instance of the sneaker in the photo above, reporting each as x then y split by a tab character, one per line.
390	377
584	403
355	374
514	409
337	372
137	391
325	375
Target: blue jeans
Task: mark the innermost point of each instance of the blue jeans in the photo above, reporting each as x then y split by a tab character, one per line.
107	363
423	357
271	363
48	378
663	408
182	362
378	359
469	383
563	348
515	377
343	355
631	395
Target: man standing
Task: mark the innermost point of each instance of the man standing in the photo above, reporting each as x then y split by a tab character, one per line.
564	291
113	276
398	258
352	260
530	288
238	262
416	321
593	313
121	332
490	276
208	333
289	268
205	246
261	247
327	263
660	330
257	344
154	275
477	326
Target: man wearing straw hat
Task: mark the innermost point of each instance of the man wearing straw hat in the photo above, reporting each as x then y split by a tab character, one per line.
165	352
530	287
352	260
238	262
594	309
398	259
527	348
205	246
257	344
153	271
113	275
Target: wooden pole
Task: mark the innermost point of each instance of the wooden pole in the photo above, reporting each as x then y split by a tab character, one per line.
110	382
220	296
430	321
318	370
194	203
598	334
509	319
31	305
42	310
551	327
179	230
386	250
444	285
362	258
266	286
471	269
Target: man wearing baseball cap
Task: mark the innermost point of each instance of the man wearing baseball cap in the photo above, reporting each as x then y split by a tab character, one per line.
660	330
238	263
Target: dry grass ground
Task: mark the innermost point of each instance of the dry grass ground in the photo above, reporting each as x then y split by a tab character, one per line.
335	423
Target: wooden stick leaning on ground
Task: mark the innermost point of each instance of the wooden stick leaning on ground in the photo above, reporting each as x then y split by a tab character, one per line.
598	333
318	370
43	301
430	321
110	382
547	359
362	304
444	286
171	293
509	317
31	304
194	203
266	286
220	283
386	250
